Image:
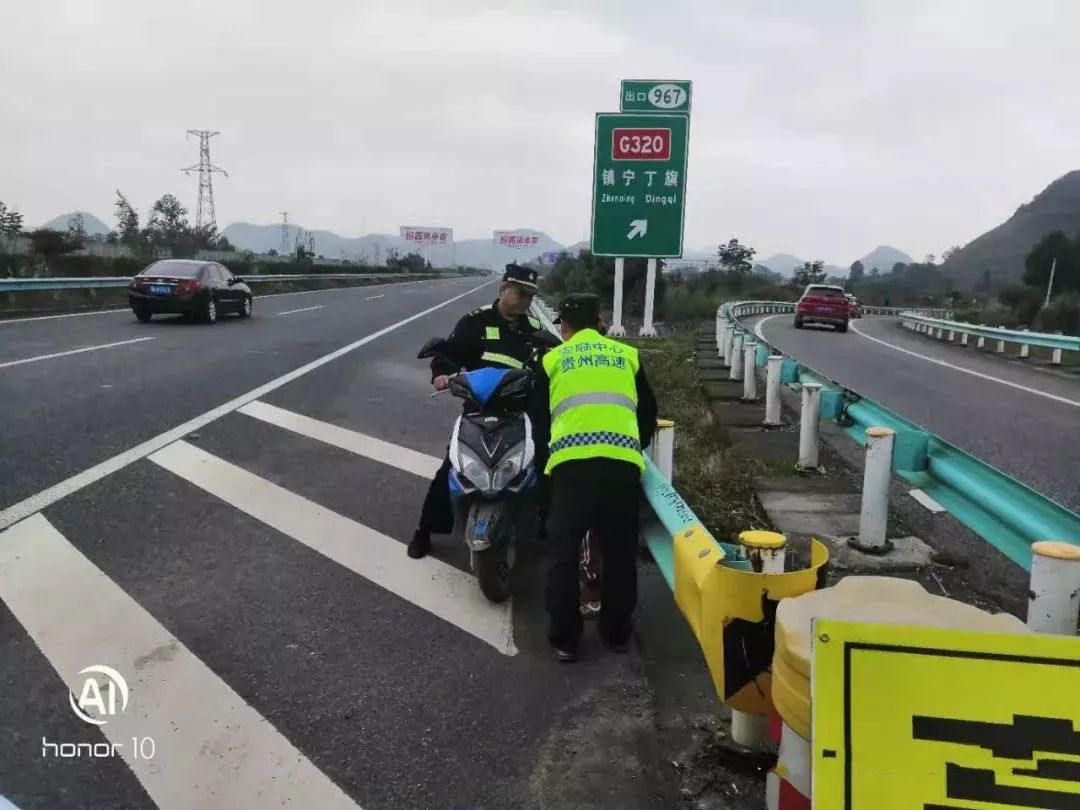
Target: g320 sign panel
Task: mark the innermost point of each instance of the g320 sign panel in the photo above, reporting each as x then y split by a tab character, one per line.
639	183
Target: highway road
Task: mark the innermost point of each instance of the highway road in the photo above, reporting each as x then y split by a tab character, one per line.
219	513
1022	420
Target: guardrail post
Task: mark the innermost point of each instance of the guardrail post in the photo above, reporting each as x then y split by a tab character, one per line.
964	339
729	344
1001	343
736	359
877	472
749	391
765	550
725	329
663	448
1054	595
772	389
1055	359
721	329
952	336
981	342
809	423
1025	350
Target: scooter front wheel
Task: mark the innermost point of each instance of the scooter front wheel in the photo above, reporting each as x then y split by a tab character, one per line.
494	567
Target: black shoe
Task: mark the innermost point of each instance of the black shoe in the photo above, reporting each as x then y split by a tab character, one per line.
564	655
420	545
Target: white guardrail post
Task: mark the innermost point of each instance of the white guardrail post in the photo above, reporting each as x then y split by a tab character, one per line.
749	390
765	551
809	424
1001	343
736	359
772	390
729	344
1025	350
1054	595
877	472
663	448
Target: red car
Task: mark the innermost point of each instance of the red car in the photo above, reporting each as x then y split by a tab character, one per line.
821	303
854	307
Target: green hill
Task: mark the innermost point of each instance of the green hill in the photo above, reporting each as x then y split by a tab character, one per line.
1001	251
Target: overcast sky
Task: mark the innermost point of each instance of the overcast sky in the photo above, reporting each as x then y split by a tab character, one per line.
820	127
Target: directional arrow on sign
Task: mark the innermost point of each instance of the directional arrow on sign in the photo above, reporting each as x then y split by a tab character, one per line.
638	227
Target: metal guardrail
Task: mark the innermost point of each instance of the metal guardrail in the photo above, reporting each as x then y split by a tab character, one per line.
915	321
1006	513
96	282
774	307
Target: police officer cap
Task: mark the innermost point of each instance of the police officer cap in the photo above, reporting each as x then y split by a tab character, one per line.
522	276
579	308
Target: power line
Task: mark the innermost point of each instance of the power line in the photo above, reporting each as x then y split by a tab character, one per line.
204	211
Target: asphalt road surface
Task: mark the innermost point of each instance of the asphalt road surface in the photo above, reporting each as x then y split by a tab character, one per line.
219	513
1022	420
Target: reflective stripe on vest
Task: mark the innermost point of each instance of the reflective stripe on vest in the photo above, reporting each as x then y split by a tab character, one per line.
505	359
593	400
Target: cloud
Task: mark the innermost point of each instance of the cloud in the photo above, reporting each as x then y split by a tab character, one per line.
821	129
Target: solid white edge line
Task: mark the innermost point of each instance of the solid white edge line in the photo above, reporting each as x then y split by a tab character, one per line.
393	455
212	749
113	311
302	309
929	503
760	324
979	374
39	500
429	583
84	349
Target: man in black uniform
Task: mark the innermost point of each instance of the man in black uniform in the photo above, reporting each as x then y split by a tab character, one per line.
503	335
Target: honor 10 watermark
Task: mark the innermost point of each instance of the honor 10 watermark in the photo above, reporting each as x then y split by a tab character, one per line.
103	697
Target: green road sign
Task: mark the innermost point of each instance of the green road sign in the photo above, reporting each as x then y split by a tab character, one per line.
639	95
639	184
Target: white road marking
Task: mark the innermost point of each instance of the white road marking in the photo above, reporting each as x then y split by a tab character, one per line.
212	748
303	309
372	298
428	583
929	503
761	323
10	363
979	374
394	455
115	311
40	500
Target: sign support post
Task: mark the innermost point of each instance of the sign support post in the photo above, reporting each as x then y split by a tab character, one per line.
647	328
617	329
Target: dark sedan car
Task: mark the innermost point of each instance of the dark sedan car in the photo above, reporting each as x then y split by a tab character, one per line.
203	290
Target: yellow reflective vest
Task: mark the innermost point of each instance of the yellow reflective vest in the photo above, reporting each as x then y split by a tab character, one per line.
593	400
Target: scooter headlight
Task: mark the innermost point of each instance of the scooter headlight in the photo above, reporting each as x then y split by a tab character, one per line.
509	468
473	468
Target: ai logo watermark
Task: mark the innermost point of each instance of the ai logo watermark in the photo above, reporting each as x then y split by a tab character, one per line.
104	696
92	698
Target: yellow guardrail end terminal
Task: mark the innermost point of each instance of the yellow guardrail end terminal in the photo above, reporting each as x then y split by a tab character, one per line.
665	423
1056	550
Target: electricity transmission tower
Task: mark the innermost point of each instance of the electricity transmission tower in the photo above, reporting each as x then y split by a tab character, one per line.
204	212
284	233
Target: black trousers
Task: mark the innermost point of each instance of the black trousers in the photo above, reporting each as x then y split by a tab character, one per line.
599	495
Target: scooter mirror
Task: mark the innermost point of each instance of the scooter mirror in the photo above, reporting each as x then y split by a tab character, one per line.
431	348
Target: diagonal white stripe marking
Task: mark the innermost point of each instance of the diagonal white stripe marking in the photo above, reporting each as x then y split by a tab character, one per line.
10	363
212	748
302	309
368	446
428	583
926	501
40	500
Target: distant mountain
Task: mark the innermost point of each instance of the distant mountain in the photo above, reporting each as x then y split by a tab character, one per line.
785	264
373	248
92	225
1001	251
883	258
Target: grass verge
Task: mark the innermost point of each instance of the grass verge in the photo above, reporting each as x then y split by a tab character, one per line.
713	479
